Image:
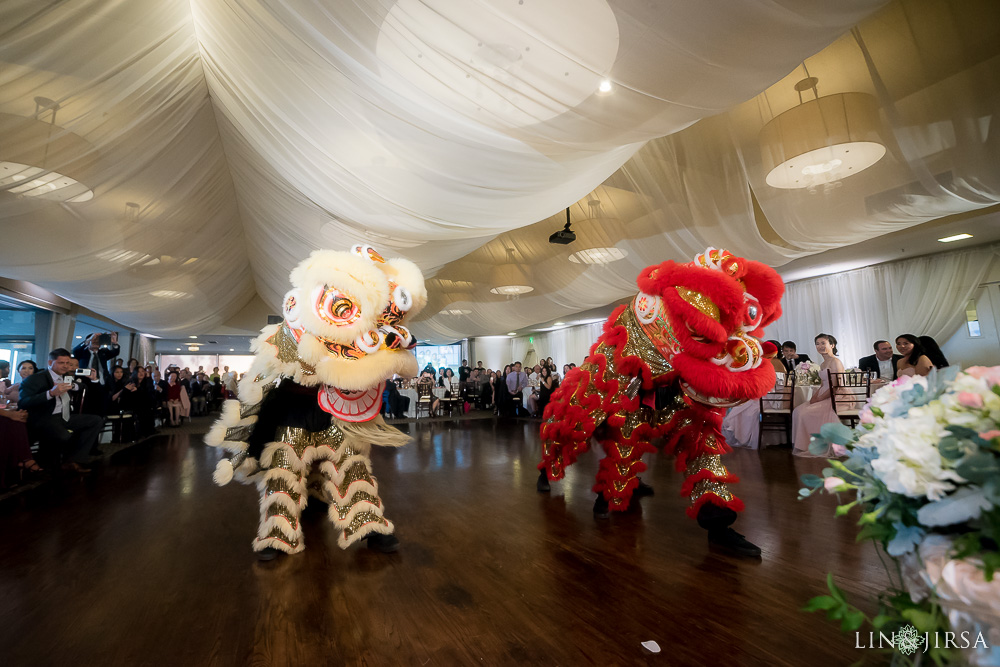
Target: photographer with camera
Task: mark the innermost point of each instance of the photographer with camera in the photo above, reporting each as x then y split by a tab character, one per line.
45	395
96	352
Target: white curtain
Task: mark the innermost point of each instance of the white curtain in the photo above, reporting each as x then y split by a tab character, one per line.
925	296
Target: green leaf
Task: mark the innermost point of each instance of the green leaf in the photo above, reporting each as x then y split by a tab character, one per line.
821	602
923	621
978	468
963	432
991	563
875	531
879	621
852	621
837	433
812	481
818	445
950	448
834	591
877	412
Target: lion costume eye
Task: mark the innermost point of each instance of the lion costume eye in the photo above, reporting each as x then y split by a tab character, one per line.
401	296
335	307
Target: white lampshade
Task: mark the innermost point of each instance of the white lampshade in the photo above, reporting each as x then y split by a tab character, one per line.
821	141
45	161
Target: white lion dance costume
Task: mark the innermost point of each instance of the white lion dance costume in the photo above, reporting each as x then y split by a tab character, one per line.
309	407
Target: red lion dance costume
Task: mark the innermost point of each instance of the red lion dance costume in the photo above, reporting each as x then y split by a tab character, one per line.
668	365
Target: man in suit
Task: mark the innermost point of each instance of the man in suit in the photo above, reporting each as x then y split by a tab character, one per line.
44	396
790	358
91	354
882	363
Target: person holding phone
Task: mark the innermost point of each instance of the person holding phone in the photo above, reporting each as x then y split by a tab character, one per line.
96	352
63	436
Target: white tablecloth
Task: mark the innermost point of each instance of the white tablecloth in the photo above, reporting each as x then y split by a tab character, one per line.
411	411
740	427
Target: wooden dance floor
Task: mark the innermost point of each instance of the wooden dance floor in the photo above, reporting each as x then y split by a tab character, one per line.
147	562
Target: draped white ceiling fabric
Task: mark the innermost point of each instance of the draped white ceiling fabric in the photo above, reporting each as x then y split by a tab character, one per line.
223	140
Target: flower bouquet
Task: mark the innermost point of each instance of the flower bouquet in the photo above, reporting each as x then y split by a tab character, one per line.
807	373
924	467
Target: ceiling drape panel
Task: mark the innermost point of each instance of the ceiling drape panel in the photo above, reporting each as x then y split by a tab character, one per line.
219	141
915	78
159	243
428	128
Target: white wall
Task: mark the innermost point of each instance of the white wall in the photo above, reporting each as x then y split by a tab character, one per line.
964	350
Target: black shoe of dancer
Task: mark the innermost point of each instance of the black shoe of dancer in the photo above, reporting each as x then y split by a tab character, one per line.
642	490
268	553
601	510
717	521
733	542
542	486
384	544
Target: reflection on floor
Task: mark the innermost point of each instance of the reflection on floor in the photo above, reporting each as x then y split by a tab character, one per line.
147	562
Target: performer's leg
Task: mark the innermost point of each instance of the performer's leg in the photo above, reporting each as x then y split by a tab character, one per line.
714	505
617	476
282	496
569	420
352	493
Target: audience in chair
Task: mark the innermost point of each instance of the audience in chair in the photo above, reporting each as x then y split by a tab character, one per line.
790	357
45	396
882	364
809	417
914	360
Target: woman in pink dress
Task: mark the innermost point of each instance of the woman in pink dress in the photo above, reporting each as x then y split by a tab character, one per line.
809	418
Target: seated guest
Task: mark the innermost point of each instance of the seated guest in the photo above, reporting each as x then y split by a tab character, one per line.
913	361
882	363
25	369
178	401
546	386
932	351
396	404
790	357
809	417
45	396
4	375
17	463
776	362
145	402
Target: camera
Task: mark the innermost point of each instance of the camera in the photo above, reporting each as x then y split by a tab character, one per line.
82	373
104	340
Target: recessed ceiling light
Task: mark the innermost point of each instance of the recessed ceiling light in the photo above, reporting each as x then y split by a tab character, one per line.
194	337
956	237
558	324
79	336
178	349
597	256
512	290
605	86
232	349
512	333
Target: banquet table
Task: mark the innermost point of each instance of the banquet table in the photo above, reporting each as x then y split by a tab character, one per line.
411	411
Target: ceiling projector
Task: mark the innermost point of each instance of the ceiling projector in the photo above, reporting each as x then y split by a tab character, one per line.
563	236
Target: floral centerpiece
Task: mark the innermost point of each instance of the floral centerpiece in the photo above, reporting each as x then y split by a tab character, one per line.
924	467
807	373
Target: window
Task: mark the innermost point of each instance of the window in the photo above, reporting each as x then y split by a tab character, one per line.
972	319
437	356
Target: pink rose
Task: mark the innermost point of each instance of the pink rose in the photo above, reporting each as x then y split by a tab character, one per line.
831	483
970	400
867	417
989	373
990	435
